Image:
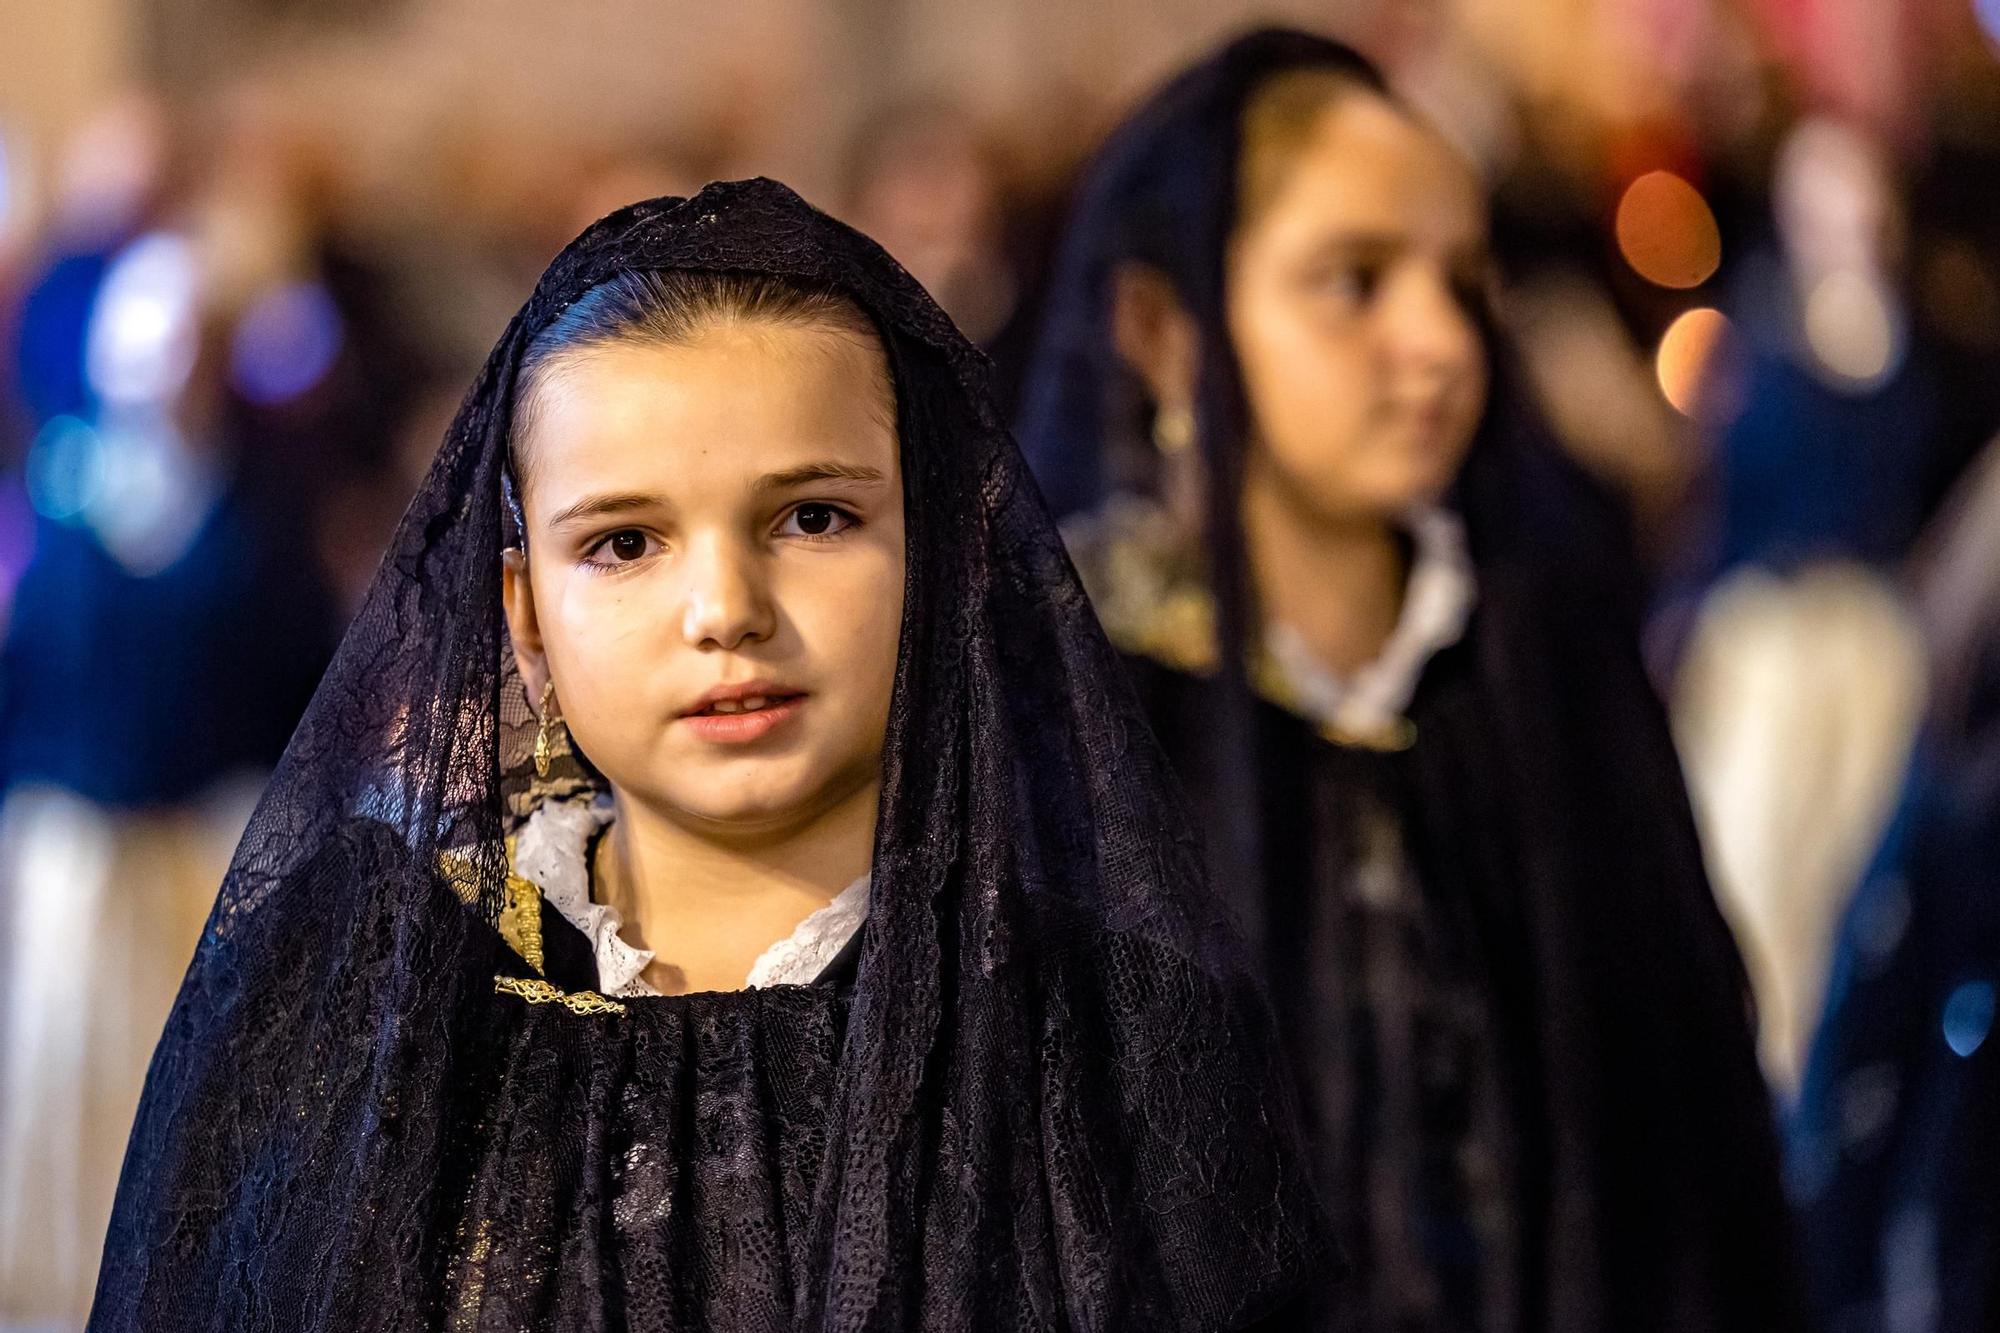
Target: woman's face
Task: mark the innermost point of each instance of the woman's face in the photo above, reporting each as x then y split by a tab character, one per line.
714	568
1351	291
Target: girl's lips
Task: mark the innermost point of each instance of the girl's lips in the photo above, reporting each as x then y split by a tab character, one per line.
741	728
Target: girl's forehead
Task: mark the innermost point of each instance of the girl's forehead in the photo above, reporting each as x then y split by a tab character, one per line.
734	402
1368	166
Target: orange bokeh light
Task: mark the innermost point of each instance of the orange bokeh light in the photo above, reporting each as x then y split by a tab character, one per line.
1667	232
1687	350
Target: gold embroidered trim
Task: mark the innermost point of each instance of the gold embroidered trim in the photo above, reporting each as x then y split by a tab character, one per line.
1148	585
1152	597
536	991
520	920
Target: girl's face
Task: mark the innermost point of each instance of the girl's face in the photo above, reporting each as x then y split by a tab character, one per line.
1351	291
714	568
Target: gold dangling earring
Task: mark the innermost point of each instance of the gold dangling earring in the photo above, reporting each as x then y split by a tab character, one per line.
1181	472
545	733
1173	429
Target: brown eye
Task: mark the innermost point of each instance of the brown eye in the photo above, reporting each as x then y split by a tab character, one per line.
1468	289
813	520
623	547
1357	283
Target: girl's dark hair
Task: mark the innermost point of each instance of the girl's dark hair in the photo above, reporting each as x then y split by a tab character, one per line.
664	308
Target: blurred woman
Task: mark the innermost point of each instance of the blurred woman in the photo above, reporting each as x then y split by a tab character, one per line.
1896	1139
1801	683
165	635
1389	640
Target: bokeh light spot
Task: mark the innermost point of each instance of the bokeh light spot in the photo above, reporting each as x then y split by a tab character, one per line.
1851	327
1968	1017
1687	352
285	343
1667	232
1988	14
64	469
142	339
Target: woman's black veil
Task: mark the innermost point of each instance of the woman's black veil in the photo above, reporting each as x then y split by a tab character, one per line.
1161	192
1057	1102
1628	989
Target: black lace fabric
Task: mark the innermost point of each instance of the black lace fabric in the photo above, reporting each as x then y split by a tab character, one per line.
1049	1099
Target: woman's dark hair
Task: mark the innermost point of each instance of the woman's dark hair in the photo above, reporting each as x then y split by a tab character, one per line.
665	308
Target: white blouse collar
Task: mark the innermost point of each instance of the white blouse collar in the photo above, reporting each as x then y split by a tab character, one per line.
1436	605
552	851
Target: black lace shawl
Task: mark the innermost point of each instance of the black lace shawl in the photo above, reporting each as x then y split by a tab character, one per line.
1050	1100
1650	1172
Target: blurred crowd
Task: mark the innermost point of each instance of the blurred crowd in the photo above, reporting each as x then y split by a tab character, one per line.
1751	268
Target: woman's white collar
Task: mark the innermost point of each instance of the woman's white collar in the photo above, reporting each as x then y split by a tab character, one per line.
552	851
1436	605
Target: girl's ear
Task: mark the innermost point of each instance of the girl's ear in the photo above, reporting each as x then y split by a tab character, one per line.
1154	334
517	595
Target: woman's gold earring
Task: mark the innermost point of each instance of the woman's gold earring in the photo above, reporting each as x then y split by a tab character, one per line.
1173	430
545	734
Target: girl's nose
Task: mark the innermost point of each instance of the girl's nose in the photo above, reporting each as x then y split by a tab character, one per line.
727	602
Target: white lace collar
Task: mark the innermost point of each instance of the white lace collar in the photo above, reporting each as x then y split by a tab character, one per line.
552	851
1436	605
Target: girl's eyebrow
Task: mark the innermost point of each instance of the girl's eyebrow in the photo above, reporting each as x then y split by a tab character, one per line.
624	502
1380	243
596	506
1362	243
807	473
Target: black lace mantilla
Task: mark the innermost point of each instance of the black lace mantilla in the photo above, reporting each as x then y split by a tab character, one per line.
1049	1099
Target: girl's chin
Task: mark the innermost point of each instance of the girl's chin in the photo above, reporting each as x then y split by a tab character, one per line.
750	815
747	813
1398	496
748	796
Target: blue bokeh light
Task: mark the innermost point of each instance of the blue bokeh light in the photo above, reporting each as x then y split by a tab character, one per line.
1988	14
1968	1017
285	343
64	469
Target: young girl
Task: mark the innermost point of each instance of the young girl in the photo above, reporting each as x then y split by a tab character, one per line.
1384	636
849	967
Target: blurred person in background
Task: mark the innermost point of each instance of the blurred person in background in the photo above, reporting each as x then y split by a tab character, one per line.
330	356
1802	679
165	635
1825	414
1895	1150
1389	638
109	183
925	179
